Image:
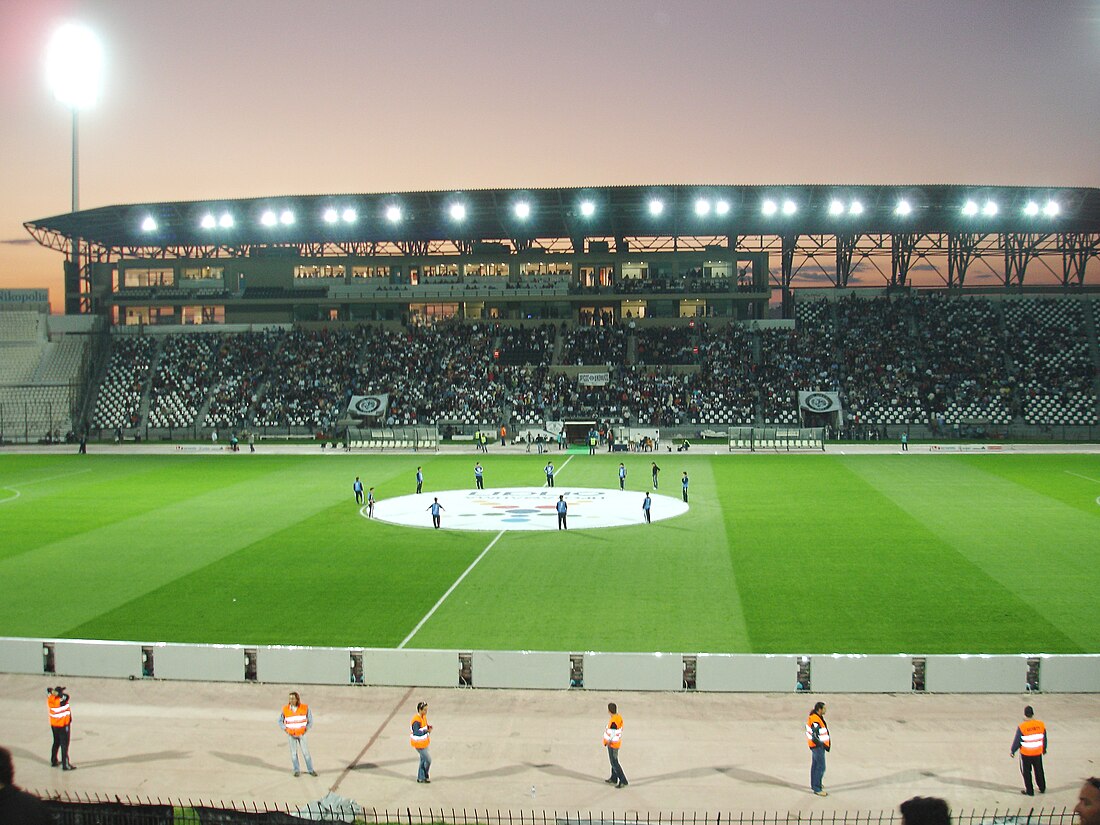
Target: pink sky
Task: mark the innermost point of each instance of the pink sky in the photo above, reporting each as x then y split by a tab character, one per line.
243	98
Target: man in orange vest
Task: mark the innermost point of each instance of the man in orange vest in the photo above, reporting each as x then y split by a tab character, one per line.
61	719
296	719
420	738
1031	742
817	737
613	740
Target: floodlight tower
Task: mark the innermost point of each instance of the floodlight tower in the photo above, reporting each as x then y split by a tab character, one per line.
74	65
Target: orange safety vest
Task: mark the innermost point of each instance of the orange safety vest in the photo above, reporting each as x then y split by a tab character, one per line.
822	733
614	738
423	739
1033	736
296	722
60	715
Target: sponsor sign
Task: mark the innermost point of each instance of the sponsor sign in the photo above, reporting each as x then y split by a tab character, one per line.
369	406
24	296
527	508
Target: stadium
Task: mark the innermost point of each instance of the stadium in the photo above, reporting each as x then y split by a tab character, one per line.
892	484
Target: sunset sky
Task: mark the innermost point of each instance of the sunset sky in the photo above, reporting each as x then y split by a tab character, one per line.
243	98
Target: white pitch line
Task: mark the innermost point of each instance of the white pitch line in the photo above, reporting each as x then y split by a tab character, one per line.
36	481
1086	478
562	467
450	590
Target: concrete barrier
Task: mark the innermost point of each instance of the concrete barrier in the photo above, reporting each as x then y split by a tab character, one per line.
21	656
520	669
303	665
422	668
633	671
856	673
1069	674
976	674
199	663
746	673
79	657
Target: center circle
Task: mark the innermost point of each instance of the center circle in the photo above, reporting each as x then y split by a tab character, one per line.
527	508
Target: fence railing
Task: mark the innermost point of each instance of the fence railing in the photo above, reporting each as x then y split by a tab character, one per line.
76	809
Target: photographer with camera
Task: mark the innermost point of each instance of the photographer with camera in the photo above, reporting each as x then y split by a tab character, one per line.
61	719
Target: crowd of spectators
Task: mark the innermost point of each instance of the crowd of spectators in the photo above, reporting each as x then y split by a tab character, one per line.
181	382
921	358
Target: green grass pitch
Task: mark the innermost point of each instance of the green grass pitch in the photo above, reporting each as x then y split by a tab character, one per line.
785	554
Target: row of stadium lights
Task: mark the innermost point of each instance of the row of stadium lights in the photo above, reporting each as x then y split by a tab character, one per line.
522	211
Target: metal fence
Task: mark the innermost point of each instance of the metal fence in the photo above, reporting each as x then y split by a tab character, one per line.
69	809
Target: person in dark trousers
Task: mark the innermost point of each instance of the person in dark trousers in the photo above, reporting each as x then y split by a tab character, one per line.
1031	742
370	503
655	470
61	720
647	502
421	737
16	806
83	444
622	476
479	476
419	479
435	507
684	485
357	486
613	740
925	810
562	509
549	470
817	737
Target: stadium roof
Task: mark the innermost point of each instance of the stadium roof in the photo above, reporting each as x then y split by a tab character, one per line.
624	211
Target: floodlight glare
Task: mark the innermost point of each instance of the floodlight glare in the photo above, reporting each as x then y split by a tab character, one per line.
769	207
1031	209
349	215
789	207
330	215
990	209
208	221
74	63
225	221
970	208
702	207
722	208
393	214
656	207
458	211
836	207
1051	209
588	209
903	208
286	217
269	218
149	224
856	208
523	210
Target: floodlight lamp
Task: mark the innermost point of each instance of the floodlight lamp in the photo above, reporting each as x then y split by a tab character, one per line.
702	207
331	216
903	208
522	210
856	208
349	215
269	218
656	207
208	221
970	209
149	224
225	221
769	207
393	214
286	217
836	207
1052	209
458	211
990	209
721	207
588	209
1031	209
74	63
789	207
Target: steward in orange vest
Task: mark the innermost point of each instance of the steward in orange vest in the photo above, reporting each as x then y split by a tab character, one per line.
817	737
420	736
613	740
1031	742
296	719
61	718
